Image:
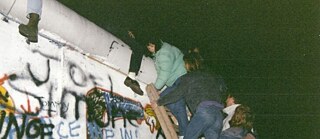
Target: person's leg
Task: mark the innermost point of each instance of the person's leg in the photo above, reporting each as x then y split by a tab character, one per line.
136	57
213	132
135	62
178	109
207	121
34	6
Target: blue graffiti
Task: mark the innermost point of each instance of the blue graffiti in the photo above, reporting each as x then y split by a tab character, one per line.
103	104
94	130
128	134
121	107
109	133
72	128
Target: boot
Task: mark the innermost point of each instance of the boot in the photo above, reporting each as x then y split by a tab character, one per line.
31	29
134	85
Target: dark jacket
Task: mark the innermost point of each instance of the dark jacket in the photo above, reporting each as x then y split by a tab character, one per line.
196	87
236	133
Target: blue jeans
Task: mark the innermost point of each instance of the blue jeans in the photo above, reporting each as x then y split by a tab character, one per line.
178	109
207	120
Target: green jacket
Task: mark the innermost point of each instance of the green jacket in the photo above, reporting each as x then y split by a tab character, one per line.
169	65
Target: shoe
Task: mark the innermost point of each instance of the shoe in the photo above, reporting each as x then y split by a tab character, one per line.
30	30
134	85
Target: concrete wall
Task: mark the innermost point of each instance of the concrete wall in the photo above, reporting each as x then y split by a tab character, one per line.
55	91
58	19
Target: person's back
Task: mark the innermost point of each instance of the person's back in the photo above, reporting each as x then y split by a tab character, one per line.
202	92
169	65
202	86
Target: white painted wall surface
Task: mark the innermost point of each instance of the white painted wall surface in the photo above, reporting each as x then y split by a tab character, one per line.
58	19
52	85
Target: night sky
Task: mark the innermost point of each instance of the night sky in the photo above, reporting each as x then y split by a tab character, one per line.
267	51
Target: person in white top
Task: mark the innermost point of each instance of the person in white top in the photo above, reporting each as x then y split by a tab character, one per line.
229	110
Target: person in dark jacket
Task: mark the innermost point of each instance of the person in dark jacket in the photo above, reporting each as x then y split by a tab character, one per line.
203	93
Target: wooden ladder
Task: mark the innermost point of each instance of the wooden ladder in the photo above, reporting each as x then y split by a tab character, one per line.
161	113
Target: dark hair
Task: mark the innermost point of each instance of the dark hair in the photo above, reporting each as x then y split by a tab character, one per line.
192	61
154	40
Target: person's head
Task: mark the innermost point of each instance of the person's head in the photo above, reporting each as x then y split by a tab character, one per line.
151	48
193	61
230	100
153	44
242	117
190	62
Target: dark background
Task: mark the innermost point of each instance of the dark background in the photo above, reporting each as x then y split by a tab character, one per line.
267	51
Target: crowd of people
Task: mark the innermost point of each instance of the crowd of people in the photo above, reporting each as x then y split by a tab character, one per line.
205	95
190	86
186	83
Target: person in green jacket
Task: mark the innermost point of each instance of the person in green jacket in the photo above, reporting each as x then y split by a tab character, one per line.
170	67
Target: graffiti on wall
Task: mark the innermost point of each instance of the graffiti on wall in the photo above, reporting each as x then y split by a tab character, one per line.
105	107
45	110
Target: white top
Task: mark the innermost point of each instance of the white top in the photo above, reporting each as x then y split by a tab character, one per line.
230	111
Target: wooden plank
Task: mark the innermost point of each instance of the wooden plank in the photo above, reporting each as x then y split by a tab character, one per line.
161	113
